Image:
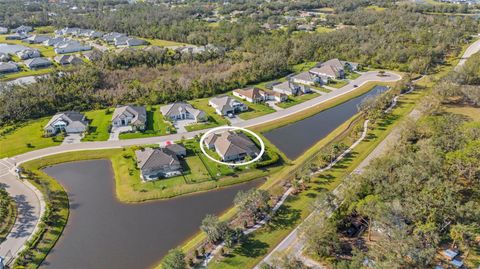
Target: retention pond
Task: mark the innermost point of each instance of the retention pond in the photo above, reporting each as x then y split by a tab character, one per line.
105	233
296	138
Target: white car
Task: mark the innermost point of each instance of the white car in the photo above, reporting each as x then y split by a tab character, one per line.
230	115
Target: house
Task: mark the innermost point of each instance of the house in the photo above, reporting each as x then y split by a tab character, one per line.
110	37
134	116
4	57
334	68
8	67
306	78
3	30
28	54
225	105
94	34
16	36
70	122
120	40
290	88
38	63
54	41
449	254
67	31
136	42
93	55
276	96
157	163
256	95
232	146
71	46
183	111
252	95
22	29
305	27
178	149
67	59
36	39
328	71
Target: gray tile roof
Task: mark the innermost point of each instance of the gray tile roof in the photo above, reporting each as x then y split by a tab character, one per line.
150	158
139	112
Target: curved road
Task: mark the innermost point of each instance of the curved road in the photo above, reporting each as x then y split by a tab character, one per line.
30	201
291	242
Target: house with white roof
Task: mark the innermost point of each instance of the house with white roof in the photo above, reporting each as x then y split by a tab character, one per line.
133	116
225	105
36	63
8	67
183	111
70	122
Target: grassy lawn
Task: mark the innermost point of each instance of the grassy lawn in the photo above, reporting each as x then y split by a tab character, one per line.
156	125
298	68
214	118
99	124
353	75
254	109
163	43
46	51
338	83
295	100
25	137
375	8
25	72
323	29
471	112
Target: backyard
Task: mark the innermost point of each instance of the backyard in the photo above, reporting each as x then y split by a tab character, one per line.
295	100
254	109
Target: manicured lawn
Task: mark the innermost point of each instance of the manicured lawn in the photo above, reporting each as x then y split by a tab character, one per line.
156	125
322	29
46	51
353	75
27	137
471	112
295	100
25	72
298	68
163	43
338	83
254	109
202	125
214	118
99	124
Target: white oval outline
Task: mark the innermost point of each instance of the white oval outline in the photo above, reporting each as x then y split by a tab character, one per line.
262	145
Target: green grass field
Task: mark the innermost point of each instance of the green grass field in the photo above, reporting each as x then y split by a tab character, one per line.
323	29
98	127
338	83
26	137
295	100
156	125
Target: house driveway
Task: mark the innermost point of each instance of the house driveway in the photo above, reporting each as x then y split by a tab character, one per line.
234	120
72	139
273	105
180	125
115	132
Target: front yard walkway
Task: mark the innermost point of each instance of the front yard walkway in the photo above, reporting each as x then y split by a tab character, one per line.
234	120
180	125
116	131
72	139
273	105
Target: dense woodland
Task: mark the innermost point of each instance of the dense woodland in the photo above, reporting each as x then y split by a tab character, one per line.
399	38
421	197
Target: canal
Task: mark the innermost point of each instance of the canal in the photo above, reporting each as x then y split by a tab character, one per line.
103	233
294	139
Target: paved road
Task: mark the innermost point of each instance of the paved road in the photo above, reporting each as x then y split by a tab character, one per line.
28	205
292	242
28	219
472	49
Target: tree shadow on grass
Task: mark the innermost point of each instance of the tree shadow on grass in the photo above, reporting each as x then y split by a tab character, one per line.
252	248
